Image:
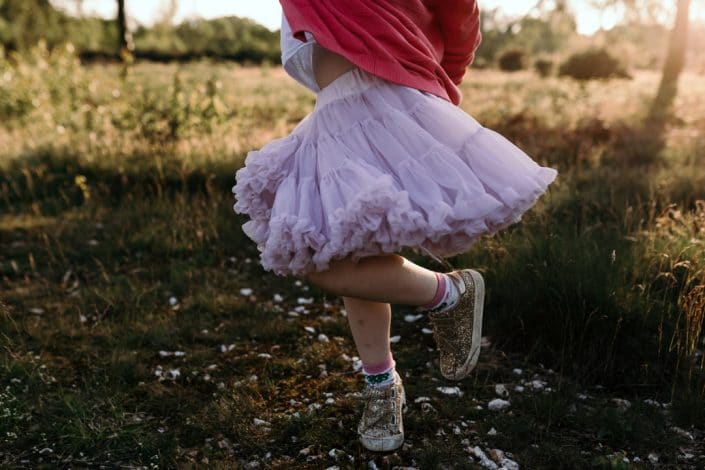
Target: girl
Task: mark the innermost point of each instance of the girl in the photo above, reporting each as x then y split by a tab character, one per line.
385	161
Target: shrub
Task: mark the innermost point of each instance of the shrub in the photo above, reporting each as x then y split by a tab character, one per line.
593	64
512	60
480	63
544	67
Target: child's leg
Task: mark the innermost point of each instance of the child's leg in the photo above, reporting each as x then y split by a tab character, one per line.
370	325
386	278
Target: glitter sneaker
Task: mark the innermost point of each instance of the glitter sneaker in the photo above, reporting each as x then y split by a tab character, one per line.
458	331
381	428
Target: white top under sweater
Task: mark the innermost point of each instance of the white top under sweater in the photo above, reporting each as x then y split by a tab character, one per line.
297	56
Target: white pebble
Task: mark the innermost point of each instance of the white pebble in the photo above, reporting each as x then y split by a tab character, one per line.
421	399
518	388
492	432
508	464
682	432
485	461
264	355
260	422
394	339
653	458
173	301
410	318
427	408
246	291
427	331
501	390
451	391
330	401
304	301
306	450
538	384
278	298
36	310
356	363
498	404
518	371
310	329
622	403
323	338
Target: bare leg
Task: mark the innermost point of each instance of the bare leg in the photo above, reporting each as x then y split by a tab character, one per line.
370	325
385	278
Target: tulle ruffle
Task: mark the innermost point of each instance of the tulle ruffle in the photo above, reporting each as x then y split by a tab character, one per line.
377	167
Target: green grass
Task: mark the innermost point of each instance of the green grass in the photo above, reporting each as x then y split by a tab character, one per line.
118	246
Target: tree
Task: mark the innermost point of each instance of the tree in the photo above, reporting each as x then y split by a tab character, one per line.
675	61
124	37
677	47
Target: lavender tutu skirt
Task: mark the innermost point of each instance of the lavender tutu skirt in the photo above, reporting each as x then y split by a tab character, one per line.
377	167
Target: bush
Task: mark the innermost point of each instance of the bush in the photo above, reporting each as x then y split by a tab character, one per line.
544	67
593	64
26	87
480	63
512	60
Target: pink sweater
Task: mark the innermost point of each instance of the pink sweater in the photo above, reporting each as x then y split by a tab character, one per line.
423	44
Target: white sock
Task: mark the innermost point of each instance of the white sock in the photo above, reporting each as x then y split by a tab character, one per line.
379	377
447	294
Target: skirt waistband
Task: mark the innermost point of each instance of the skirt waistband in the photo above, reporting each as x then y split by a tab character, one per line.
352	82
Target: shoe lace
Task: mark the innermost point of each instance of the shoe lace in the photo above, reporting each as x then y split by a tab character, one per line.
382	399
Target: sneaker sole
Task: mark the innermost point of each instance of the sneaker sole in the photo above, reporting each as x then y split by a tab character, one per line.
474	354
386	444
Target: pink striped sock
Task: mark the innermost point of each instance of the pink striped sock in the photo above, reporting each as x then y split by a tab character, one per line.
447	295
440	293
373	369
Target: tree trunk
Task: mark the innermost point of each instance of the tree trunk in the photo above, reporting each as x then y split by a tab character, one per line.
124	36
674	63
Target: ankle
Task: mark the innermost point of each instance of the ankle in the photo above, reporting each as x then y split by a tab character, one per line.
448	293
380	374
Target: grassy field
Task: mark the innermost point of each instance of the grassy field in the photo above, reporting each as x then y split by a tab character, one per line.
137	329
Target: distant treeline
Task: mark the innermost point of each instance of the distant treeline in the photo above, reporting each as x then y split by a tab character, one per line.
550	35
23	23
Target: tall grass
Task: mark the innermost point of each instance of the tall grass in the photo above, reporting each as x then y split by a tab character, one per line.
612	255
